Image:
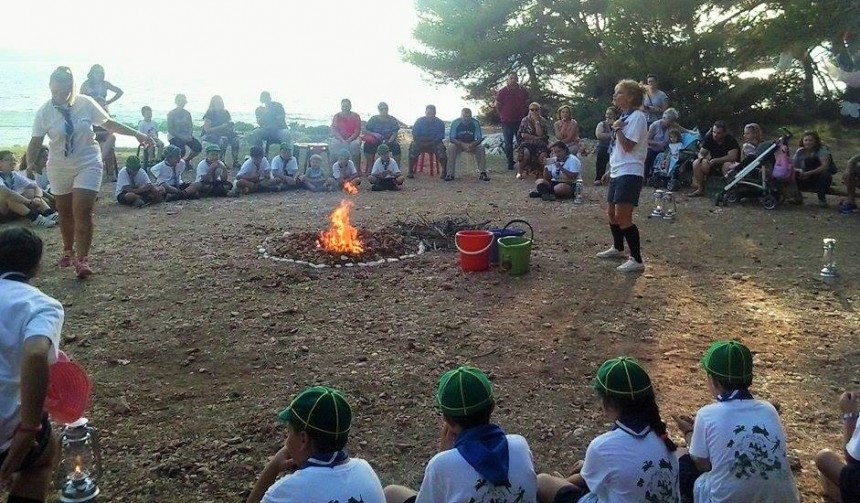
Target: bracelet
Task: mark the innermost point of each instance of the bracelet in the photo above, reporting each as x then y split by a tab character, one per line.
23	429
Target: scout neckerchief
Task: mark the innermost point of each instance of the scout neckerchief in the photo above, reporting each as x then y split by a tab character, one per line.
15	276
738	394
66	112
327	459
633	426
485	448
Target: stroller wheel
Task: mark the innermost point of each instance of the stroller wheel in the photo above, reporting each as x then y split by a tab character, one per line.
732	196
769	202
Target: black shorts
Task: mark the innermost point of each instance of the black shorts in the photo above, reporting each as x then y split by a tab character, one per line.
624	189
42	440
120	198
568	494
849	483
370	148
193	144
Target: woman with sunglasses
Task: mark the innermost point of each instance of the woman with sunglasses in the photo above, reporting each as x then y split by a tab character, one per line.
75	166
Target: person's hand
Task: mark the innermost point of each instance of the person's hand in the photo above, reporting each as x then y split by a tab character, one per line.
605	178
685	423
144	140
35	203
22	444
284	461
577	467
618	124
447	437
848	402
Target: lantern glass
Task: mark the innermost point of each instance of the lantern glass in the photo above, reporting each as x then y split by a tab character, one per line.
829	269
670	207
657	212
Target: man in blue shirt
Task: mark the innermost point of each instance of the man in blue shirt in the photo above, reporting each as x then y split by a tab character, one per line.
427	135
465	137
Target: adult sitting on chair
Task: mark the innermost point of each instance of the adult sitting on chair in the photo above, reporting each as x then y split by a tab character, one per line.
532	142
218	128
273	123
465	137
719	150
180	130
346	132
427	135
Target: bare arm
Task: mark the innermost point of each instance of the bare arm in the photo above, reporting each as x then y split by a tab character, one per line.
34	380
600	133
118	128
732	156
280	463
33	152
117	93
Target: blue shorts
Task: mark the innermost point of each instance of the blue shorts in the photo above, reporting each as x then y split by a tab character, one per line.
624	189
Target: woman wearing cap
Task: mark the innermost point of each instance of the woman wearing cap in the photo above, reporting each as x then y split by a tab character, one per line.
75	165
180	130
477	460
381	129
633	462
314	457
96	87
737	444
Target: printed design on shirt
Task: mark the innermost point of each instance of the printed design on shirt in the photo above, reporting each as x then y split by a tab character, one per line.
486	492
757	453
658	479
352	499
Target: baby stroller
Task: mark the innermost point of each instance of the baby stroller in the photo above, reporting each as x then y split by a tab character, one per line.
676	173
751	179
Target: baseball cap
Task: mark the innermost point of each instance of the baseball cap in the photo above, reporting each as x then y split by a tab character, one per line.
383	149
256	151
172	151
730	362
343	155
320	409
133	162
623	377
463	392
213	148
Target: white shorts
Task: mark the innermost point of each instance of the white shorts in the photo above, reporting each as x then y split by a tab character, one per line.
64	180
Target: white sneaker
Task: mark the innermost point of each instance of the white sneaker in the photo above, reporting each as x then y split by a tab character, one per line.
54	217
42	221
631	266
611	252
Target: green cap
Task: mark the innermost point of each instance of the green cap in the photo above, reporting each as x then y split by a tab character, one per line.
730	362
320	409
212	148
383	149
623	377
463	391
132	162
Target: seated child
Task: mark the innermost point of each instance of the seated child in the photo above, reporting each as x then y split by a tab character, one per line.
38	173
21	197
344	171
314	178
631	463
673	151
477	460
168	176
148	127
737	444
840	473
133	187
314	457
213	177
255	175
559	174
385	174
285	169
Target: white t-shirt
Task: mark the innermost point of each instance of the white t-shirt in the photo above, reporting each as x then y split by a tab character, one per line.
450	478
19	183
203	168
24	312
352	481
379	168
745	443
149	128
85	114
123	178
630	163
250	169
853	445
339	174
623	468
571	164
284	168
166	175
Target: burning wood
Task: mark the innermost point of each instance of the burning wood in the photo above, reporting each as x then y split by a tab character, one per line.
342	237
350	188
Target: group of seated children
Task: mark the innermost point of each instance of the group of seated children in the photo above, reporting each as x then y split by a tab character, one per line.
736	447
22	197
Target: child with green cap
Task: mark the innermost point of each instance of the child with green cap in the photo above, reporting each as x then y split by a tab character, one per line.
633	462
736	444
478	461
317	466
385	174
212	175
133	186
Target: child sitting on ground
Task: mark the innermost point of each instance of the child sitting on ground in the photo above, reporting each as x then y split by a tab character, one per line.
344	170
21	197
559	174
212	175
385	174
285	169
255	175
737	444
133	186
148	127
840	473
477	460
314	457
38	173
315	179
633	462
168	176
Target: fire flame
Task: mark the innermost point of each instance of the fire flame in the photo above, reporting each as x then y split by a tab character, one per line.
350	188
341	237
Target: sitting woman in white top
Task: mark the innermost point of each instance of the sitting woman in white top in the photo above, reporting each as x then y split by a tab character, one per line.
385	174
133	186
633	462
737	444
477	461
559	174
344	171
285	169
22	197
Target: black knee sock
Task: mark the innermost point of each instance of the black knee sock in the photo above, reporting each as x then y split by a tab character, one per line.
20	499
617	237
632	235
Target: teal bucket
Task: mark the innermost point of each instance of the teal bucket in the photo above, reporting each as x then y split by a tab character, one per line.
515	255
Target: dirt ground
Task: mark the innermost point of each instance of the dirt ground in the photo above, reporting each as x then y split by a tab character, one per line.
194	343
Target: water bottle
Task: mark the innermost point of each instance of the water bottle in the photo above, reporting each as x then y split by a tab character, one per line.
577	192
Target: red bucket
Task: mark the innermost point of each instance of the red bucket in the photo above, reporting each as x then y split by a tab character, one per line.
474	247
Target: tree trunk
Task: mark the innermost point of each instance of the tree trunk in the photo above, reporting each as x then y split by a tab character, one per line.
808	79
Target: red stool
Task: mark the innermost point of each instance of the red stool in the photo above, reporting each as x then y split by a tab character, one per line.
434	164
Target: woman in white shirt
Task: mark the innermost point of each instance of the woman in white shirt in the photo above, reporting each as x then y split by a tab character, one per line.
75	166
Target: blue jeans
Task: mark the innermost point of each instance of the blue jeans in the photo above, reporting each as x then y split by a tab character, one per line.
509	131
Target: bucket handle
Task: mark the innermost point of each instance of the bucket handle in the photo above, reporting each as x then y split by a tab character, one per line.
464	252
518	221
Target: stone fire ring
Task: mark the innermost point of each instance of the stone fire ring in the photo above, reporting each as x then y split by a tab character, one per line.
263	251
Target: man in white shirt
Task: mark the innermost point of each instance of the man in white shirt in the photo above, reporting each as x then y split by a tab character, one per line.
21	197
385	174
344	171
477	460
285	169
30	326
255	175
133	186
213	177
314	458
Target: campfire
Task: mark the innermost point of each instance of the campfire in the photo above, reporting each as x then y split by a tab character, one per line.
342	237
